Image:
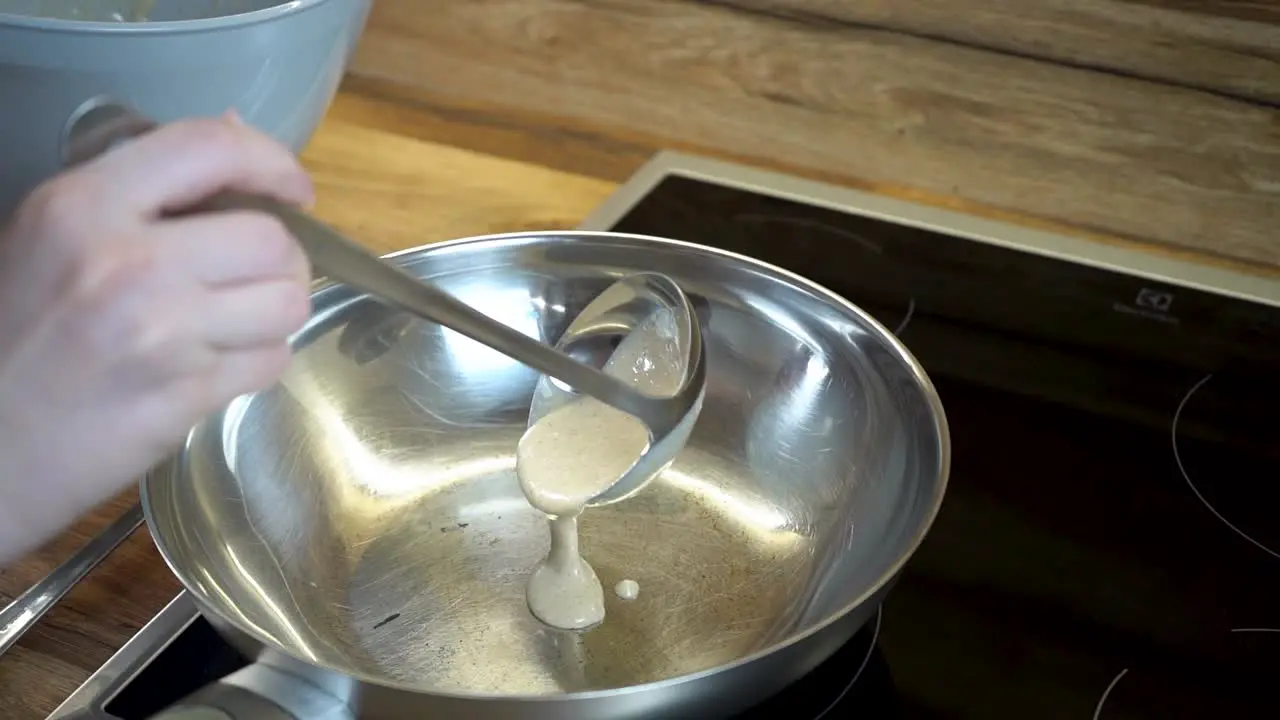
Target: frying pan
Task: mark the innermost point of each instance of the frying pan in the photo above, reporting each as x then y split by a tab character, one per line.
359	531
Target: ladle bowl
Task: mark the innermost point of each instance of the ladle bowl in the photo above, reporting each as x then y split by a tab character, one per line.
618	311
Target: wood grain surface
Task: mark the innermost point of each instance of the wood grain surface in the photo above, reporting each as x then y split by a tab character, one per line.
387	189
1154	121
1226	48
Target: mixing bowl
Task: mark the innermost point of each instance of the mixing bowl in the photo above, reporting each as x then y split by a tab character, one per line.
277	63
362	520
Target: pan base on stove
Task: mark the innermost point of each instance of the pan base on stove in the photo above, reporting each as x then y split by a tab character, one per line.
438	600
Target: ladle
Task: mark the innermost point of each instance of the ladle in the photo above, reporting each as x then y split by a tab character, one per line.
100	123
619	309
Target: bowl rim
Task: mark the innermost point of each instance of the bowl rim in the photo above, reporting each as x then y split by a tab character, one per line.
875	590
161	27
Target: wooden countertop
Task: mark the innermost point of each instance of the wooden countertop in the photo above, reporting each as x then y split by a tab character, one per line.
394	177
1153	120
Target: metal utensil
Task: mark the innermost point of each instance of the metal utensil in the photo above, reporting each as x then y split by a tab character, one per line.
99	124
27	609
623	308
102	123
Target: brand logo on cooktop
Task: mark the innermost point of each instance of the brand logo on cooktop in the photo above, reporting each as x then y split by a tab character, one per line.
1154	300
1150	304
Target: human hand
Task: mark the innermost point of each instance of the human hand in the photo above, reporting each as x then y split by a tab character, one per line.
122	324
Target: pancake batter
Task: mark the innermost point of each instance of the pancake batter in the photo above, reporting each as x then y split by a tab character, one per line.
576	452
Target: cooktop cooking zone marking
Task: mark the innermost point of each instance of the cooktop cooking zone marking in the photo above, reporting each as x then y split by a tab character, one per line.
871	648
813	231
1191	483
1135	693
1097	710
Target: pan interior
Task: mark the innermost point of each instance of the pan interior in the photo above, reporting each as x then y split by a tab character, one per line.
364	513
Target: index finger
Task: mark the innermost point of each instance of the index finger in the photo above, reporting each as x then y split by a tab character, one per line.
181	164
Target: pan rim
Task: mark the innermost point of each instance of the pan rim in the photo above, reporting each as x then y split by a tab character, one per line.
876	588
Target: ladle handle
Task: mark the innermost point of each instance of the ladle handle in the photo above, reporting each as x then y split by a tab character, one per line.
100	124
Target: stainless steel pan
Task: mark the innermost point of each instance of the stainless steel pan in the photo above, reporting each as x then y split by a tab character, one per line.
359	529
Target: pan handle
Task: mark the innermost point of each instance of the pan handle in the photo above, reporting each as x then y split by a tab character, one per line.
259	692
276	687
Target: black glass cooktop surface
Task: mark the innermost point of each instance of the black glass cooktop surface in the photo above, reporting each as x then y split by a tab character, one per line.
1110	543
